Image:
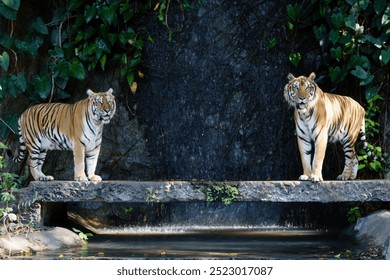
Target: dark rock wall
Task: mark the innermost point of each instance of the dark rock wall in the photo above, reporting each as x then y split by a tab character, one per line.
211	104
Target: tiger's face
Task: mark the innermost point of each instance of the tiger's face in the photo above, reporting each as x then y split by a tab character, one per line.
300	92
102	104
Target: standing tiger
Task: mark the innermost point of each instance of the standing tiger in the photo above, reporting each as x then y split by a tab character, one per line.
321	118
56	126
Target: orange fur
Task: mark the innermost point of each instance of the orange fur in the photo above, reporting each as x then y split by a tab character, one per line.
56	126
320	118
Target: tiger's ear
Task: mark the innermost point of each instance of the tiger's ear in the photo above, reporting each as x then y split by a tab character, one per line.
110	91
90	93
312	76
290	77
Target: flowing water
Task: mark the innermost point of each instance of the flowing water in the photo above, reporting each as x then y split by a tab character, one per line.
199	230
210	243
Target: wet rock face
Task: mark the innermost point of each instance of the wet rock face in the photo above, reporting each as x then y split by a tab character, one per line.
211	103
374	230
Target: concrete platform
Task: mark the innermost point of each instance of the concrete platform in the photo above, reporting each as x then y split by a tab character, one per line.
168	191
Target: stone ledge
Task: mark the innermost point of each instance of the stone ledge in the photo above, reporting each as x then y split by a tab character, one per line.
167	191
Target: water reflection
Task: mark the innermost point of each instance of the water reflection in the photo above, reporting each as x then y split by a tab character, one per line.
214	243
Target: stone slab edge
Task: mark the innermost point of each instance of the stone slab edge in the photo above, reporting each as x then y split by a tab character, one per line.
166	191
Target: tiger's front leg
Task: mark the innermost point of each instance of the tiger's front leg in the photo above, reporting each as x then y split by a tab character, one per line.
319	155
304	145
79	162
92	158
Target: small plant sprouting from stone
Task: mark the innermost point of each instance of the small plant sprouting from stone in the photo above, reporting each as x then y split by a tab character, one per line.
225	193
152	195
129	210
354	214
82	235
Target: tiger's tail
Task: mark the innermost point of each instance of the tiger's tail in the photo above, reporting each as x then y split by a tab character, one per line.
22	149
363	139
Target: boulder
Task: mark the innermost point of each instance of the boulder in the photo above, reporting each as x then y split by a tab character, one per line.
51	239
374	231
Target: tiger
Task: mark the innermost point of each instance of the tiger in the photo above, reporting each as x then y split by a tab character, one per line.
58	126
322	117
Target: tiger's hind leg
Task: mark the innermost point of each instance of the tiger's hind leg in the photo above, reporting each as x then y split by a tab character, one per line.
351	162
35	162
355	168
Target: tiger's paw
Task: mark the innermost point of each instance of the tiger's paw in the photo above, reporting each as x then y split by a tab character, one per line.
304	178
81	178
46	178
316	178
344	177
95	178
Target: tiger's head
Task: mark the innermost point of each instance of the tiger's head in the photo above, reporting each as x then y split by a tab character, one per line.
301	92
102	105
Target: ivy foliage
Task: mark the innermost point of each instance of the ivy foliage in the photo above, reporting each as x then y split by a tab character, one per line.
75	38
353	36
9	182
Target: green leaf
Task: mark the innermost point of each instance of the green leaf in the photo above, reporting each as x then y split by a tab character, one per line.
127	11
29	48
293	11
364	62
336	53
376	165
108	14
7	12
295	58
367	80
363	4
19	82
350	21
379	6
3	146
77	69
4	60
319	32
290	25
89	13
359	72
39	26
42	85
271	44
377	42
62	69
384	57
334	36
61	94
386	16
12	121
337	20
130	79
134	62
371	92
74	4
103	61
334	73
13	4
56	53
5	40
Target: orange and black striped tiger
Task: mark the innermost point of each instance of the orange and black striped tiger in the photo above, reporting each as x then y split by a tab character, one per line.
321	118
56	126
